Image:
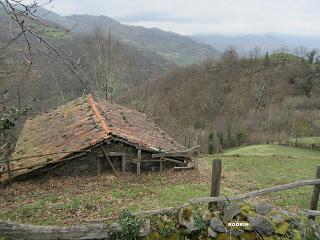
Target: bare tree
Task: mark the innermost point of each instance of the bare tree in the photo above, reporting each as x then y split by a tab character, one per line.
255	53
230	55
26	33
106	61
29	35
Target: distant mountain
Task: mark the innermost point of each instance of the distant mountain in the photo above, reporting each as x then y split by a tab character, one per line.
243	43
176	48
267	42
296	41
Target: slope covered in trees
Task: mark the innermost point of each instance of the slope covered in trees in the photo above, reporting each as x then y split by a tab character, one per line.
174	47
50	80
235	101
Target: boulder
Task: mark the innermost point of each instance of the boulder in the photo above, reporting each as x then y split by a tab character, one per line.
262	208
261	224
186	219
282	228
212	233
217	225
229	211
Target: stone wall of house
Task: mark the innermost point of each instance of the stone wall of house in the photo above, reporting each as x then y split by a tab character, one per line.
88	164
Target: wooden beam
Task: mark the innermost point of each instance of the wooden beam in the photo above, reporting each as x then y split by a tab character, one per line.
184	168
138	168
116	154
187	153
109	161
13	230
174	161
37	166
312	213
315	194
257	192
139	161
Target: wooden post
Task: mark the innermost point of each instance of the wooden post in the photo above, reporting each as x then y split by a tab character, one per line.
215	180
315	194
138	168
161	162
139	162
99	165
123	163
109	161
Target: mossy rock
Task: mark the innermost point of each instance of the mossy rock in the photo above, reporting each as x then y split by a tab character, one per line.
186	214
270	237
160	226
247	207
249	236
244	214
225	236
278	216
296	235
157	236
282	228
153	236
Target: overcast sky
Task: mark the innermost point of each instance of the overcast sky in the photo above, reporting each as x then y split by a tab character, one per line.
298	17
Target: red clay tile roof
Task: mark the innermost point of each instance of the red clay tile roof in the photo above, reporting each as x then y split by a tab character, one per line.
79	125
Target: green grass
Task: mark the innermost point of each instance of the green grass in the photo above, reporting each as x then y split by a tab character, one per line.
81	199
284	56
256	167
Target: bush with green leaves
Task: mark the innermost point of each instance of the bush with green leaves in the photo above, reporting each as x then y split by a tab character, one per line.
130	226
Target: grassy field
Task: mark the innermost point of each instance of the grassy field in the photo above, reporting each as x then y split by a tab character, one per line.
83	199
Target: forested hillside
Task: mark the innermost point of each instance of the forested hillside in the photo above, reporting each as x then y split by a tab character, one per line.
134	54
51	81
235	101
174	47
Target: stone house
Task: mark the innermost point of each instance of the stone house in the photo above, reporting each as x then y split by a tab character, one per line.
88	137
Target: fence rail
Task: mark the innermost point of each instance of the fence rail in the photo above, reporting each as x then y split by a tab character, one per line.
257	192
310	146
215	187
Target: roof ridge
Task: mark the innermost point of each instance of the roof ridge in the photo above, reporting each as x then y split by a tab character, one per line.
98	117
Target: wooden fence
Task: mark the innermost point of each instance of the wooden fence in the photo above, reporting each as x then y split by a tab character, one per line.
215	190
310	146
17	231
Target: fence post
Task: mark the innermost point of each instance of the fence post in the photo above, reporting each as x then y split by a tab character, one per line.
215	180
315	194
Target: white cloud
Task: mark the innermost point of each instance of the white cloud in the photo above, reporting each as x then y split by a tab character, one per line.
207	16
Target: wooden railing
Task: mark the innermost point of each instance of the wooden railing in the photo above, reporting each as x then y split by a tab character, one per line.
215	190
310	146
